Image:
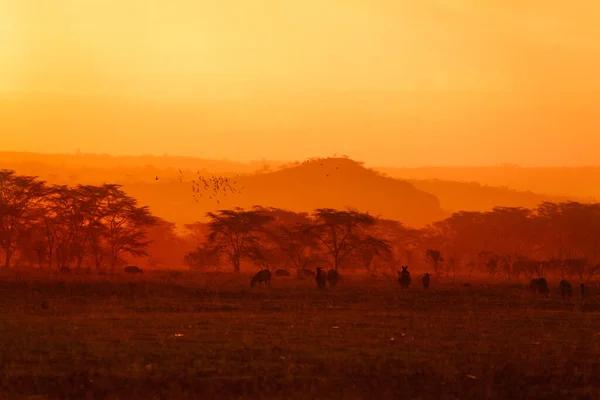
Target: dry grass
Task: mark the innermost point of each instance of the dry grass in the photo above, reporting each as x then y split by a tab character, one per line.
211	336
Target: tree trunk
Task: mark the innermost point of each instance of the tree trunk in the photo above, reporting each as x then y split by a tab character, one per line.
235	261
7	258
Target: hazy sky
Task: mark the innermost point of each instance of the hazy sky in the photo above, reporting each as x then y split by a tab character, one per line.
390	82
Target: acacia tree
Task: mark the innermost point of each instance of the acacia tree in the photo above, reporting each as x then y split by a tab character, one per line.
295	242
434	257
237	233
202	257
20	199
342	232
125	225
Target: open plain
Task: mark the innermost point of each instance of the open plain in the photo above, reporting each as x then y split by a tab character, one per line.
210	335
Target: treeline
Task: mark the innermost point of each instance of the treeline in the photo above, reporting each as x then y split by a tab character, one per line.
561	239
275	238
553	238
100	227
63	227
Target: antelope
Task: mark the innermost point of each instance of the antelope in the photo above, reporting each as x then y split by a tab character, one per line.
260	277
404	277
321	278
333	277
132	269
426	279
565	289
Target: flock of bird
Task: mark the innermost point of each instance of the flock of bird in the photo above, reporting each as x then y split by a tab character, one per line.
214	186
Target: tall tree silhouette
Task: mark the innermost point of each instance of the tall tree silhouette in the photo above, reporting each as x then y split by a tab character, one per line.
342	232
126	225
237	233
295	242
20	200
434	257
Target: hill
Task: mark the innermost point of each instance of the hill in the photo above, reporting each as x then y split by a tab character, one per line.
332	182
579	182
298	186
473	196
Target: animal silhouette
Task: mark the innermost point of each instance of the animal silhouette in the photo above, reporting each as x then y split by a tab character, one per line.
404	278
539	286
306	274
566	290
426	280
260	277
321	279
585	290
132	269
333	277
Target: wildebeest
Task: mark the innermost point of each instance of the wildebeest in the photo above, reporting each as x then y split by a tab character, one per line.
260	277
321	278
175	274
132	269
282	272
333	277
426	279
533	286
306	274
539	285
404	277
565	289
585	290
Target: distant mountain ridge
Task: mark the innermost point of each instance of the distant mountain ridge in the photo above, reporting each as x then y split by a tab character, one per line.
338	183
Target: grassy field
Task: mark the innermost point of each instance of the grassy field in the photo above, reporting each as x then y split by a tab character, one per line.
211	336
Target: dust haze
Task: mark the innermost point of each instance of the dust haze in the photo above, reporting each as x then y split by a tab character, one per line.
325	200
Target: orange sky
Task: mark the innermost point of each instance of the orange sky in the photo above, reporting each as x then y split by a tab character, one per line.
390	82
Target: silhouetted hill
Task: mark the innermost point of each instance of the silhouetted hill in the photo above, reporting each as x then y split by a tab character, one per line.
102	167
583	182
333	182
473	196
300	187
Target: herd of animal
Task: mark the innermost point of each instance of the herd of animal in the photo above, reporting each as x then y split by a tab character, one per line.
332	278
322	278
540	286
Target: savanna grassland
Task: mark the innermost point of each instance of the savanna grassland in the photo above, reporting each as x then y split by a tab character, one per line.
205	335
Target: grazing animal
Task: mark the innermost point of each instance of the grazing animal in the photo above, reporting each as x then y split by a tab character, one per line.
175	274
321	278
333	277
426	279
585	290
404	277
132	269
533	286
260	277
565	289
540	286
306	274
282	272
